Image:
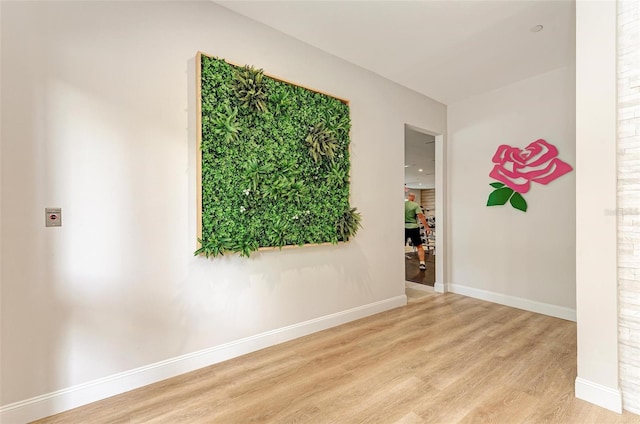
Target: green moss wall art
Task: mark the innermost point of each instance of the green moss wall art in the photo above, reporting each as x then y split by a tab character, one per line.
273	162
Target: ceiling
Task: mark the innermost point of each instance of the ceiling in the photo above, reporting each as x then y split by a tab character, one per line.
447	50
419	159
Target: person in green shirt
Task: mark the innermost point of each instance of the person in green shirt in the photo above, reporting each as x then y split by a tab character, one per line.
413	212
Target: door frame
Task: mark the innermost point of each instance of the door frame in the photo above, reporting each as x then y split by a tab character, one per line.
441	206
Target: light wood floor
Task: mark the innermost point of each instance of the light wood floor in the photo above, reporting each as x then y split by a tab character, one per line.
441	359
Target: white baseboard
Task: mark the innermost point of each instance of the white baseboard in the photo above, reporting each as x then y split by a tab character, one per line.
515	302
630	409
439	287
598	394
73	397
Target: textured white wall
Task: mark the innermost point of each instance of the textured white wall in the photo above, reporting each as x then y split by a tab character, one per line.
98	115
629	201
499	249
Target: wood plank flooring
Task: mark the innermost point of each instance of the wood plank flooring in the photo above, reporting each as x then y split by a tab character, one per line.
441	359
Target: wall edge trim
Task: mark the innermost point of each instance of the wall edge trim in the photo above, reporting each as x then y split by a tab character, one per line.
82	394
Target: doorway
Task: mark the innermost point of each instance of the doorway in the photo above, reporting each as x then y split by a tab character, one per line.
421	166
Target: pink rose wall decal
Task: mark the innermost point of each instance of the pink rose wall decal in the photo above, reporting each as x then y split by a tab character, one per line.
516	169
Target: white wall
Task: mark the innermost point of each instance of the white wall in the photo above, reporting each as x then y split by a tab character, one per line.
596	276
500	253
98	115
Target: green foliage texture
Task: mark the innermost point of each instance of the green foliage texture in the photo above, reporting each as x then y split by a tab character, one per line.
275	163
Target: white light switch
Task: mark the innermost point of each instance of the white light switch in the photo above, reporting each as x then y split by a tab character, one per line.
53	217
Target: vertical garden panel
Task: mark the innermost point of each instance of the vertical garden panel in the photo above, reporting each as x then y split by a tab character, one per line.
273	162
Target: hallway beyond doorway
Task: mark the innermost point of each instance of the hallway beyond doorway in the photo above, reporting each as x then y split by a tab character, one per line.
413	273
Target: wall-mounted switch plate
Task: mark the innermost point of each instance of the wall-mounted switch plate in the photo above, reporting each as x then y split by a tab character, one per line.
53	217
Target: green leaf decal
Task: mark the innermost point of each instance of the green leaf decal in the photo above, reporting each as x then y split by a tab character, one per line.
499	196
518	202
496	185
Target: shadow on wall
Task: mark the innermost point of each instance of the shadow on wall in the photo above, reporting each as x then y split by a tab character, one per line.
227	298
76	290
